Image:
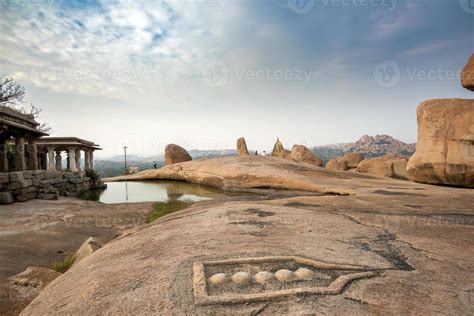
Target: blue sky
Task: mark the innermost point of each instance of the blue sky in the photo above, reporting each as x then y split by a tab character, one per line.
202	73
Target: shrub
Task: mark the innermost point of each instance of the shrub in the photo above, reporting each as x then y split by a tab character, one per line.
94	175
63	264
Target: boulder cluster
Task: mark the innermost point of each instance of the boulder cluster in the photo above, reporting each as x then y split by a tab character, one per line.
390	165
298	153
445	150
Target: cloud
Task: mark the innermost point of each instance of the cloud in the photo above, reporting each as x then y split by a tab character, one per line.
110	49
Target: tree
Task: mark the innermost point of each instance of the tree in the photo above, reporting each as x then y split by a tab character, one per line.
12	94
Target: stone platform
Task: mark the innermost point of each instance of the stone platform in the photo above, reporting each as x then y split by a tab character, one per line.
22	186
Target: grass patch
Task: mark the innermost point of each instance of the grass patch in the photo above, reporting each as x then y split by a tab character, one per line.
63	264
165	208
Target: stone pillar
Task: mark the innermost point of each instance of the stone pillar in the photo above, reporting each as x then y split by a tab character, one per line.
78	159
86	159
20	154
51	165
72	159
91	160
32	154
59	161
3	155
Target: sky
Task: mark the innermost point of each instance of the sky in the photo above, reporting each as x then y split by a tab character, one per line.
202	73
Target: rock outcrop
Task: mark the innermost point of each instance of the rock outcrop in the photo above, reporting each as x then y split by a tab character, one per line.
242	147
25	286
445	151
391	166
176	154
348	162
338	164
353	159
88	247
234	256
300	153
279	151
253	172
467	75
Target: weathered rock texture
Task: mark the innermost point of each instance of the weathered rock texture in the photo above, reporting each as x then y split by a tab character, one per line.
391	166
242	147
279	151
347	162
467	76
89	246
445	150
250	172
40	184
353	159
176	154
337	164
26	285
301	153
410	238
39	232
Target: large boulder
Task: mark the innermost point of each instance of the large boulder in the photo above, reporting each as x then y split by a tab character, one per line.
347	162
353	159
391	166
445	150
25	286
301	153
176	154
467	76
338	164
242	147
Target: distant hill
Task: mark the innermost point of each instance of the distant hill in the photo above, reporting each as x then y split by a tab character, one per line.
370	146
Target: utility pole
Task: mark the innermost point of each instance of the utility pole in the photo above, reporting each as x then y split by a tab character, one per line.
125	154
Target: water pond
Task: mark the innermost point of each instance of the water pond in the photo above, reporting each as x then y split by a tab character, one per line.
152	191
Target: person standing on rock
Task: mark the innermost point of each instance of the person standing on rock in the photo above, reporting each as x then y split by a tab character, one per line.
256	153
154	164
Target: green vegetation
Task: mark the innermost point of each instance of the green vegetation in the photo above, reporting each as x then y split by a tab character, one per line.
165	208
63	264
94	175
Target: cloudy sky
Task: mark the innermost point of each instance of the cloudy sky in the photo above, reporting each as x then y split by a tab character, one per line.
201	73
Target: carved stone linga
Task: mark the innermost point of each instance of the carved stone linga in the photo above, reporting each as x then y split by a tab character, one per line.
259	279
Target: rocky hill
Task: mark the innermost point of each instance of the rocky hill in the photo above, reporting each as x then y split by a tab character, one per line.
370	146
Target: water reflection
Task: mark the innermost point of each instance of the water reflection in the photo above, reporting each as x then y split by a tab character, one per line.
152	191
